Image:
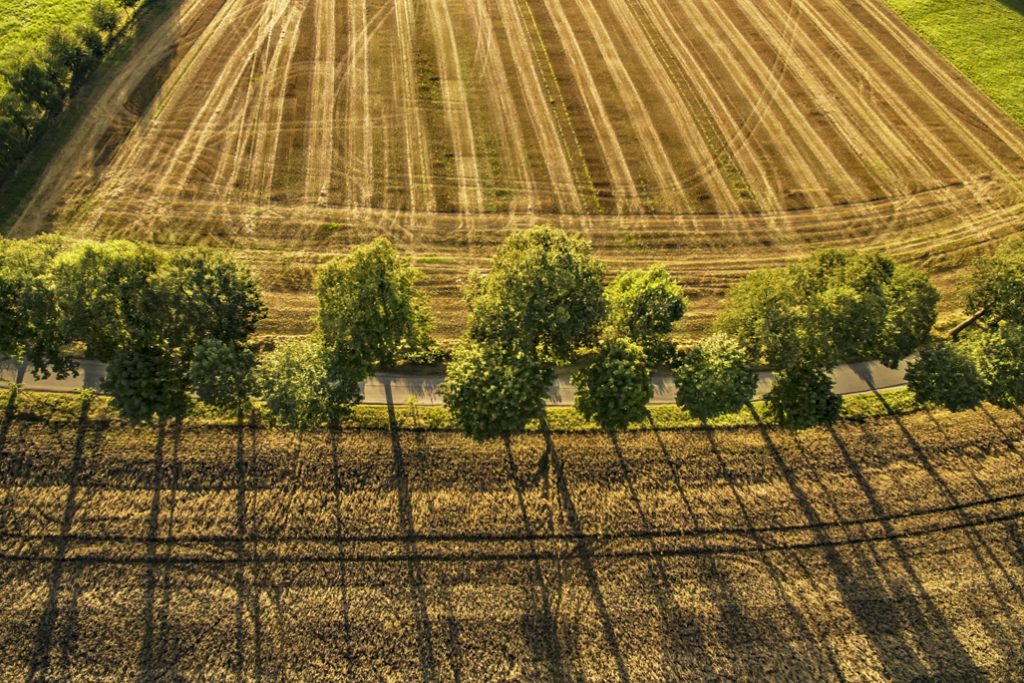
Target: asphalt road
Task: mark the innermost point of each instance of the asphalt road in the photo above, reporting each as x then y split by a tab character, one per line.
402	388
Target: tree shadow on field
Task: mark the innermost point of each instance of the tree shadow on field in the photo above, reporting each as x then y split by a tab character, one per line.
977	543
585	555
778	583
539	626
414	570
10	410
158	655
675	623
339	530
881	619
39	663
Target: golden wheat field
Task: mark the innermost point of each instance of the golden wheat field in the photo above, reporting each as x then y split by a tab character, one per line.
883	549
712	136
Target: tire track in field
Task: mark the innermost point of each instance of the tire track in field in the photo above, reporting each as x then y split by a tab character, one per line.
456	106
136	160
817	159
834	86
624	190
717	158
212	121
739	66
421	191
553	152
912	84
321	116
736	134
358	141
910	150
502	101
974	102
677	199
703	173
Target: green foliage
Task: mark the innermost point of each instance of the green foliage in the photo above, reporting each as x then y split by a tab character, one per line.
802	397
100	292
614	385
146	381
104	16
543	293
29	326
998	356
294	382
493	392
832	307
715	378
201	294
910	317
643	305
370	308
944	374
996	283
222	374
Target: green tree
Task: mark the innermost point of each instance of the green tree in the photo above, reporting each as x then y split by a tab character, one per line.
996	283
715	378
802	397
944	374
910	315
543	294
104	16
65	57
643	305
143	382
222	375
294	383
100	294
493	392
998	356
37	85
201	294
29	327
614	386
370	308
832	307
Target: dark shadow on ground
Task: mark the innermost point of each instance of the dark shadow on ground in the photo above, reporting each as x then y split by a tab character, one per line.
585	555
879	615
39	663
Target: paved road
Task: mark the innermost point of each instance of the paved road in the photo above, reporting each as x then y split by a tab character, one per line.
855	378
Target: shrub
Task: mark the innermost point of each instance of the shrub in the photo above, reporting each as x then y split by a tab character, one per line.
998	356
802	397
222	374
295	384
643	305
996	283
715	378
944	374
493	392
144	382
614	386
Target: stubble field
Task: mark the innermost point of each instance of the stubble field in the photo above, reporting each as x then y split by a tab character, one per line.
714	137
883	549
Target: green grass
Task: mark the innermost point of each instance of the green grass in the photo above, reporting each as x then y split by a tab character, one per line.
983	38
23	23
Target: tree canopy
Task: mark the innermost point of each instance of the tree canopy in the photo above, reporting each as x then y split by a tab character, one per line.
543	295
802	397
295	385
832	307
643	305
492	391
370	308
614	386
944	374
715	378
996	283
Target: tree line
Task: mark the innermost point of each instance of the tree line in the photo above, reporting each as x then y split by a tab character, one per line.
40	84
177	326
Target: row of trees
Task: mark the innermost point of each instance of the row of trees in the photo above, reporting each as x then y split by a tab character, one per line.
173	326
39	85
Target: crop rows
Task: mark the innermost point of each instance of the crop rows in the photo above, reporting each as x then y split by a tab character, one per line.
889	547
714	137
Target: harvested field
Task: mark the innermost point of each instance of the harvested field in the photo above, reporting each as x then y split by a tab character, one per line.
715	137
889	548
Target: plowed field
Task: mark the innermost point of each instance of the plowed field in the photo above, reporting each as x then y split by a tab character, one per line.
884	550
713	136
